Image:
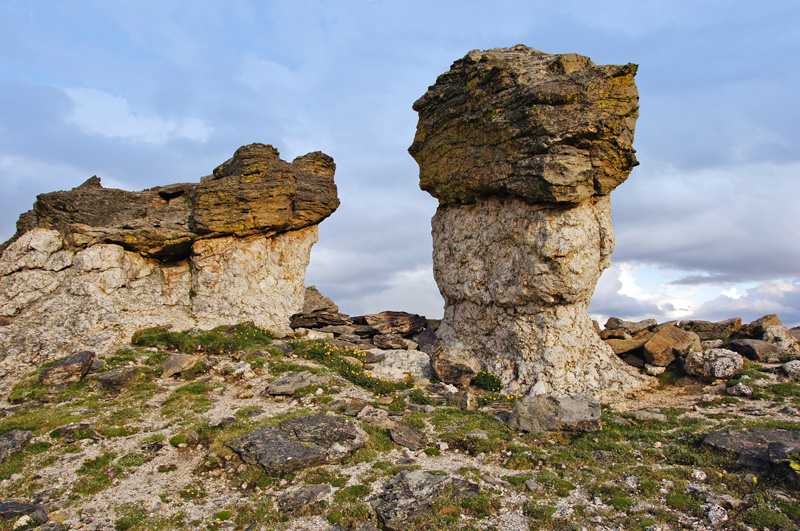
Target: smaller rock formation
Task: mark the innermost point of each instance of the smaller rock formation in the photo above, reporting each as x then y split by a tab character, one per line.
713	364
536	414
90	266
777	451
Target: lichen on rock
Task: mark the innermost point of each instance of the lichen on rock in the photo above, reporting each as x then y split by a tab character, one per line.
522	149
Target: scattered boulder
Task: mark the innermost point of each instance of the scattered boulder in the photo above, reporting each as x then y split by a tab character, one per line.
299	443
12	442
115	380
792	369
67	370
375	417
756	329
403	323
299	498
713	364
754	349
779	336
315	301
319	312
287	385
713	330
398	364
795	333
411	438
630	327
623	346
178	363
15	508
778	451
457	371
670	343
389	341
409	496
426	341
556	413
739	389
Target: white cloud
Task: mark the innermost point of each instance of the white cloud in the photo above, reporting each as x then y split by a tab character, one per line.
98	112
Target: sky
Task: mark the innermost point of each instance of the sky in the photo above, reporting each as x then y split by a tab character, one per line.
146	93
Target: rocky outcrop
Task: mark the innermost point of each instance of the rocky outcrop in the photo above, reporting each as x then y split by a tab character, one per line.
522	148
90	266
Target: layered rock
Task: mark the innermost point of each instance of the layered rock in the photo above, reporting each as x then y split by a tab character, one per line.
90	266
522	149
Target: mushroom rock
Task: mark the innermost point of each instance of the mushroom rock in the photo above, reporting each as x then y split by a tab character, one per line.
91	265
522	149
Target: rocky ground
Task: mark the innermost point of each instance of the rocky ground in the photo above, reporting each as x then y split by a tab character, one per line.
317	434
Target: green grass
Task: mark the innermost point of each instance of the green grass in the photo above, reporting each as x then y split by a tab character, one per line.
220	340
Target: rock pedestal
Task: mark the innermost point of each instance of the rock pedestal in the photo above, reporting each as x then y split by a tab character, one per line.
522	149
90	266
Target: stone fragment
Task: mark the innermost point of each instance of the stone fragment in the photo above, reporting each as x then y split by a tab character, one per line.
739	389
398	364
713	364
426	341
668	344
68	370
630	327
375	417
713	330
644	414
315	301
12	442
115	380
754	349
407	497
294	501
654	370
450	369
411	438
287	385
402	323
389	341
774	450
15	508
779	336
757	328
536	414
178	363
614	333
299	443
792	369
464	399
623	346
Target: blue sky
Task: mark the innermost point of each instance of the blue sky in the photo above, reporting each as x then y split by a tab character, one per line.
149	93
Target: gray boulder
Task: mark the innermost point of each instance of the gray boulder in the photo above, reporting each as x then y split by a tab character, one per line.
115	380
409	437
294	501
792	369
713	364
287	385
12	442
713	330
556	413
68	370
299	443
754	349
773	450
178	363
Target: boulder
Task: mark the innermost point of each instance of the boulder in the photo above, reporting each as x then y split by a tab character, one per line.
713	364
754	349
12	442
670	343
389	341
115	380
410	438
713	330
301	497
630	327
299	443
178	363
776	451
375	417
521	148
14	508
779	336
403	323
756	329
67	370
398	364
536	414
315	301
409	495
90	266
288	384
623	346
795	333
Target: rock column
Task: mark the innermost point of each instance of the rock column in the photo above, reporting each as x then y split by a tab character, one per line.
522	149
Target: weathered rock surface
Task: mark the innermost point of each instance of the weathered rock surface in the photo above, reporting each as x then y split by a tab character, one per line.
556	413
775	450
12	442
409	495
299	443
410	438
115	380
178	363
68	370
522	148
713	330
754	349
630	327
399	364
90	266
287	385
713	364
401	323
670	343
294	501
